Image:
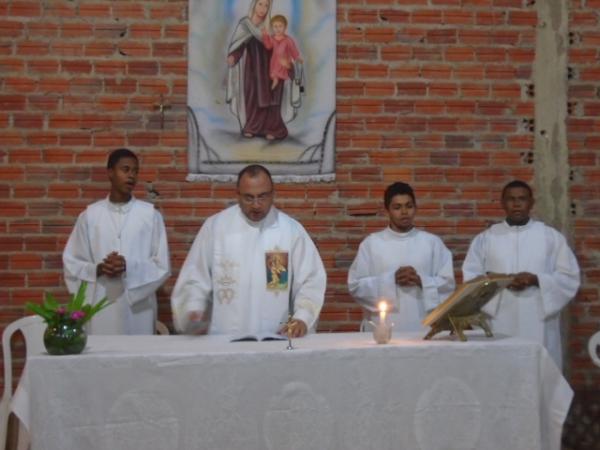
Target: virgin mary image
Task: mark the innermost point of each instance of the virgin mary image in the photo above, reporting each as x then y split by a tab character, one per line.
259	108
239	110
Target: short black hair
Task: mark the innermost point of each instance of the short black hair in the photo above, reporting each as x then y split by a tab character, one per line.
517	184
252	171
398	188
118	154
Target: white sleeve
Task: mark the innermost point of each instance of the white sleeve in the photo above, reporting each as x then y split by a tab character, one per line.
438	286
560	285
474	263
78	262
309	280
367	289
145	275
193	289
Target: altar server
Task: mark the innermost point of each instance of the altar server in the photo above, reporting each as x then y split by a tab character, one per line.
119	246
546	273
252	264
410	268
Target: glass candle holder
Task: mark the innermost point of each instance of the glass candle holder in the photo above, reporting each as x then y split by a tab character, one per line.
382	332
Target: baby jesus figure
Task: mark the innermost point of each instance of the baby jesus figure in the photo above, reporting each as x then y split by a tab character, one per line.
284	49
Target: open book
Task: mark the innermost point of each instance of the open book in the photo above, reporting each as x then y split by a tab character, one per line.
259	337
469	298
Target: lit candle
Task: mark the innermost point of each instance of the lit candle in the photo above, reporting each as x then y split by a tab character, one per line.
382	311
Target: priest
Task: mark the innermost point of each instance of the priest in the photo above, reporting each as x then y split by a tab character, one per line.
253	266
119	246
546	273
407	267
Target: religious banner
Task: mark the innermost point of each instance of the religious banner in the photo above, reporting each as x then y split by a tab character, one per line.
261	88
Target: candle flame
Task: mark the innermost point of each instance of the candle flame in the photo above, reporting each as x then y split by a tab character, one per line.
383	306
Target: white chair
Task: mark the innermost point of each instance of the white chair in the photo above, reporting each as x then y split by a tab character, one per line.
161	328
32	328
593	344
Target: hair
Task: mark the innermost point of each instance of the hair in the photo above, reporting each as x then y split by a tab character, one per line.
279	18
517	184
253	171
398	188
117	155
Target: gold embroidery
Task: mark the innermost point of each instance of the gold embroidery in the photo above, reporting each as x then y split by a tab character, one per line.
225	295
226	279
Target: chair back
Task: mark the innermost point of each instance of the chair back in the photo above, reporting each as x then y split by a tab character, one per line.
32	328
593	344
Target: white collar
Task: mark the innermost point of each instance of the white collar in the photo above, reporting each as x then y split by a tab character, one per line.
398	235
269	220
120	207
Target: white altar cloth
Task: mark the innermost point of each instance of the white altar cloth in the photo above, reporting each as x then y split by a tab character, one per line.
334	391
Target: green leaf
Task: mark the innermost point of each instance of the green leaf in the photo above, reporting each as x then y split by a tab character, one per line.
50	302
78	299
48	309
40	311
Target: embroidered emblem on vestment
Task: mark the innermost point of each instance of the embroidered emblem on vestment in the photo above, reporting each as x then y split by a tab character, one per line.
277	270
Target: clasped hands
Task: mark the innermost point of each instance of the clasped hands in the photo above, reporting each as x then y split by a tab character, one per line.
407	276
523	280
520	281
112	266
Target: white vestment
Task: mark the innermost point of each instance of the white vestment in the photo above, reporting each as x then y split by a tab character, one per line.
137	232
229	266
372	275
533	313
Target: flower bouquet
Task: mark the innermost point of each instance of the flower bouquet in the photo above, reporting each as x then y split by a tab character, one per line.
65	334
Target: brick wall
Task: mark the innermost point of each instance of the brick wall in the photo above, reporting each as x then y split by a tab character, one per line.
437	93
583	127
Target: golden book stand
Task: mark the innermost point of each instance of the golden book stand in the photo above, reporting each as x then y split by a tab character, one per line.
462	310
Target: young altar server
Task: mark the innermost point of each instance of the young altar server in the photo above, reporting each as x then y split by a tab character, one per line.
546	273
410	268
252	265
119	246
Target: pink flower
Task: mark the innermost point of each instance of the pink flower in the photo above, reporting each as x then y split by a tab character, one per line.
77	315
61	311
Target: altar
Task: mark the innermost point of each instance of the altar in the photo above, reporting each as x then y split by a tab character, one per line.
333	391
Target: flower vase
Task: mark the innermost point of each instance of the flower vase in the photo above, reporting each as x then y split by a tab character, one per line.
65	339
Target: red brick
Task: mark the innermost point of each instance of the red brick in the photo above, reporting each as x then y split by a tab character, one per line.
25	9
25	261
458	16
128	10
426	16
177	31
76	30
394	15
168	49
11	28
32	48
42	30
94	10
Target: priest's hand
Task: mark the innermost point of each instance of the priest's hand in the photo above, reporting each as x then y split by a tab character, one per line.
523	280
195	322
407	276
112	266
295	329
